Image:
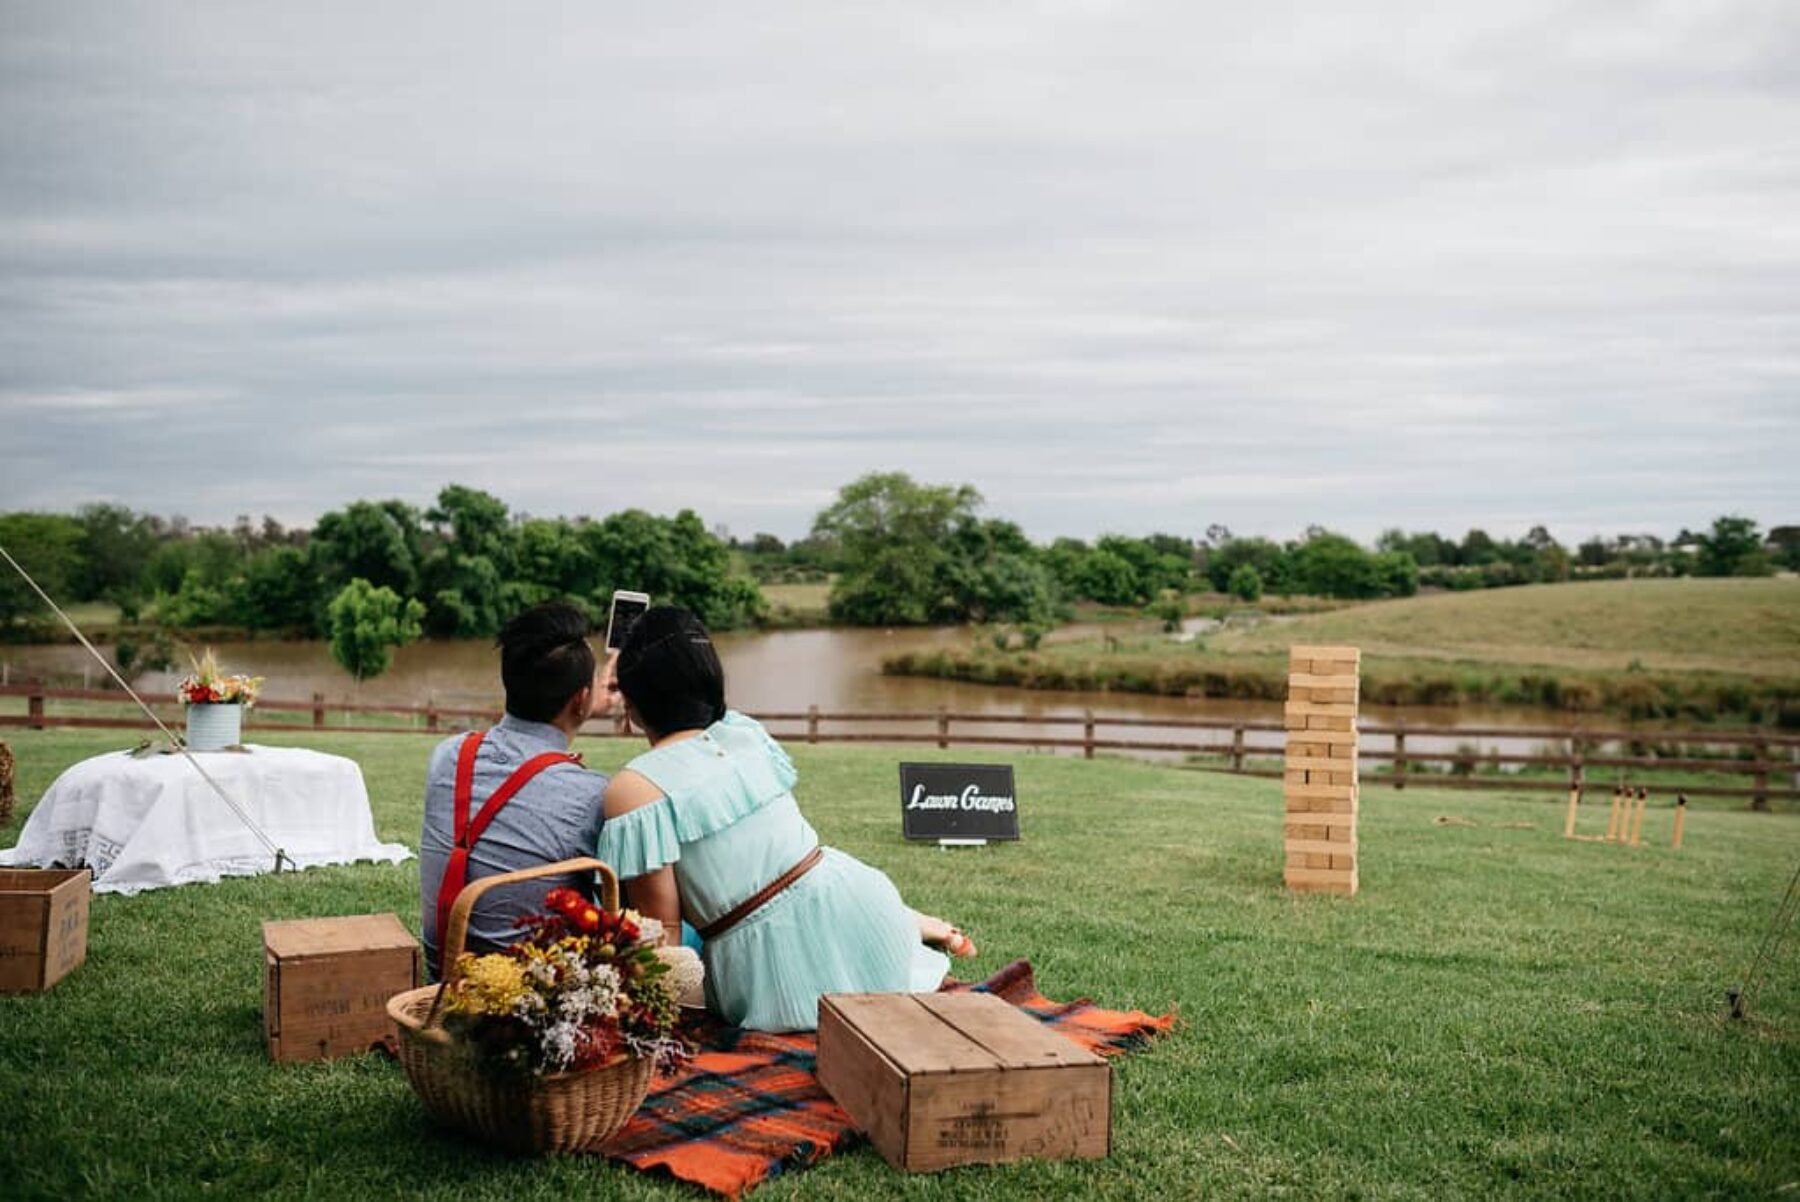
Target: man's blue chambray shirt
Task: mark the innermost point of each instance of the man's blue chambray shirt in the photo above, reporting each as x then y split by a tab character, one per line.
554	817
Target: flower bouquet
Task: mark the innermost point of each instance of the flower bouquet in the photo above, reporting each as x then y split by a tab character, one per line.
215	704
584	987
550	1045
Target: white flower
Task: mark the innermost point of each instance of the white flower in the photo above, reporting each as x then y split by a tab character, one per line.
559	1045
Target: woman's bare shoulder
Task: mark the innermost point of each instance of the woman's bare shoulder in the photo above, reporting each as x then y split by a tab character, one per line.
627	791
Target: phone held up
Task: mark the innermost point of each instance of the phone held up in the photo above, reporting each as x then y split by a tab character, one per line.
627	607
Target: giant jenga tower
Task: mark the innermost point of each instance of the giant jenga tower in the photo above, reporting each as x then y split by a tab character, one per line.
1320	777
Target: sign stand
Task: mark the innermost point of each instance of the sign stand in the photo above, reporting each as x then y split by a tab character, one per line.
947	844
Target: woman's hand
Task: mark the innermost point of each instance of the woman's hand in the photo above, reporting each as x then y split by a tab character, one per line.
607	702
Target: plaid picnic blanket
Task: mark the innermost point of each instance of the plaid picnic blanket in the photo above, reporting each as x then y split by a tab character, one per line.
750	1105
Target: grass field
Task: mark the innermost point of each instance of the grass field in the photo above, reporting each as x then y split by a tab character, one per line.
1750	627
1692	650
1499	1012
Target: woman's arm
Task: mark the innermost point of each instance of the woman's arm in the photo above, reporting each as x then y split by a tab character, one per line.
654	894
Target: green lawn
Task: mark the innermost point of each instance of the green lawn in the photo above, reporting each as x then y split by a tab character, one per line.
1500	1011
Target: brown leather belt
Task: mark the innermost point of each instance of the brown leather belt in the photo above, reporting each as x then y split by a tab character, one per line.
745	909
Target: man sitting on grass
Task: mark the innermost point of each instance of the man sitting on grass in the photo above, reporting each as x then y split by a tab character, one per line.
513	797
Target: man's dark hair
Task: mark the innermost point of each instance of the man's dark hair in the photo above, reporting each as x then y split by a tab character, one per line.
545	660
670	673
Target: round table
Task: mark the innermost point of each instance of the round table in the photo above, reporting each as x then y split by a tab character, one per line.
151	822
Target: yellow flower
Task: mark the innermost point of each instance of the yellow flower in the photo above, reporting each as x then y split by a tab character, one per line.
491	984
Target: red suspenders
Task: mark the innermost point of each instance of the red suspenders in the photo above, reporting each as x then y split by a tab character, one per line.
464	832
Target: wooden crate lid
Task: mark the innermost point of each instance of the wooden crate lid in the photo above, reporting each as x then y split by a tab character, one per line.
954	1032
336	936
38	880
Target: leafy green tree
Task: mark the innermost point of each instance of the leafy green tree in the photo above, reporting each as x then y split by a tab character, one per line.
1786	541
276	591
476	523
1733	548
49	547
1398	574
116	546
375	541
1246	583
895	536
366	623
1267	557
676	560
1478	548
1109	578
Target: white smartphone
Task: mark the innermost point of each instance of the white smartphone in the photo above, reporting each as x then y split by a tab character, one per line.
627	607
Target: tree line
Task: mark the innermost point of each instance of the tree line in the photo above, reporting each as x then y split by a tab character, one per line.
896	551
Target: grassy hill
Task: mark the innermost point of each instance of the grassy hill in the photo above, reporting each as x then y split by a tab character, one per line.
1740	626
1681	649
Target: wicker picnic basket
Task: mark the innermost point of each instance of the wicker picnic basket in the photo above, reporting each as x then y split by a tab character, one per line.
559	1112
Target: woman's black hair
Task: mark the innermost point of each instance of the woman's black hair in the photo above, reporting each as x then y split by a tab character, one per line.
545	660
670	673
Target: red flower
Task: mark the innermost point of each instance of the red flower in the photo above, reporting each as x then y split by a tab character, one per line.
587	919
562	901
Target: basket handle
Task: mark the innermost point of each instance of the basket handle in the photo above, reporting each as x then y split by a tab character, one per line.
456	929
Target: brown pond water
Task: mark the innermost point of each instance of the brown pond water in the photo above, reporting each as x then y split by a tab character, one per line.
784	672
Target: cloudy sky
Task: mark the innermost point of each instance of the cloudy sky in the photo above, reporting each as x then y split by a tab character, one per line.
1121	266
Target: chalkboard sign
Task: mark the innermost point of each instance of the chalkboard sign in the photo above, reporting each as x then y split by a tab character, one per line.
958	801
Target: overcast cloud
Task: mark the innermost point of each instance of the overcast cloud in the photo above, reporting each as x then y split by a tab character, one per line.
1121	266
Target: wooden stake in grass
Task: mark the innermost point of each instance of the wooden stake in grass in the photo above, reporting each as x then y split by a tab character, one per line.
1612	818
1320	777
1569	822
1680	820
1637	818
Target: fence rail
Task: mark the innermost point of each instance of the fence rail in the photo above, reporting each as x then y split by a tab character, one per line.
1771	755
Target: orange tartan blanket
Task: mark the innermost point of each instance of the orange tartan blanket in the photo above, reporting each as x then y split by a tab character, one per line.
750	1106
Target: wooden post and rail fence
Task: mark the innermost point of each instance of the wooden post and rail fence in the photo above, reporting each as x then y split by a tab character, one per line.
1772	756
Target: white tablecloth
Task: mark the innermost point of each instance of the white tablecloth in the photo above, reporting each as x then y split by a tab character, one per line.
153	822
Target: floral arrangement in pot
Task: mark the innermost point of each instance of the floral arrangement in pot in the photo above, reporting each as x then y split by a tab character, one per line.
215	703
583	989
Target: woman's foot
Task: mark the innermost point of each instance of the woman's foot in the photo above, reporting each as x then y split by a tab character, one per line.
940	934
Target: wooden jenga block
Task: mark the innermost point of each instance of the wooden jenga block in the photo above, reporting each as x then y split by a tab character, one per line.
1330	822
1316	880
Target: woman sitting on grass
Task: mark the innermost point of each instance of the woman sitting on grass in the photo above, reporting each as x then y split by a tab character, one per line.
704	825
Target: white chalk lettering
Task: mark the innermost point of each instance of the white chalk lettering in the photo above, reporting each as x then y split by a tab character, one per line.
974	799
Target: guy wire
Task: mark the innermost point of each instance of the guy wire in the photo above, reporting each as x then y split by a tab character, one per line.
181	745
1783	921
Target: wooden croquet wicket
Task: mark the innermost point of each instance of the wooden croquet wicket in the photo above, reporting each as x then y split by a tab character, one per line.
1612	818
1574	803
1680	820
1320	777
1637	817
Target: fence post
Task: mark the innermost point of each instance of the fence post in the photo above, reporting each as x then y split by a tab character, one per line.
1087	735
431	714
1576	749
943	728
812	724
318	711
1237	749
1760	801
1400	754
34	710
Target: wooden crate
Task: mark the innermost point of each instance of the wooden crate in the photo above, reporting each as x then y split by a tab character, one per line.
942	1079
328	980
43	926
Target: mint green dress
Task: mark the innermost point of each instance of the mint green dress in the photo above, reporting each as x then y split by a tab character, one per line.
729	824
